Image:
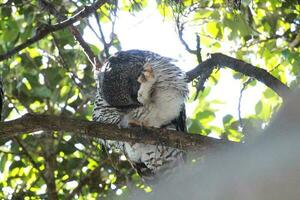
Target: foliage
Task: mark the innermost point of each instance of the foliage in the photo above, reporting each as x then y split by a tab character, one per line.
53	76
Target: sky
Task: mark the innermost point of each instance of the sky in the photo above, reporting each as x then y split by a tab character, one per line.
149	30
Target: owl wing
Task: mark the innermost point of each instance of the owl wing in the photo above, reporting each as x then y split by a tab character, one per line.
105	113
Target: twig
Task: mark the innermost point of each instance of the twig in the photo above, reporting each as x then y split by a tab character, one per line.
105	44
198	49
86	48
261	41
295	42
30	158
180	35
180	29
92	29
73	75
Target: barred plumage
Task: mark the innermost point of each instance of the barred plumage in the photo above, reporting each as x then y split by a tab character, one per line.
142	87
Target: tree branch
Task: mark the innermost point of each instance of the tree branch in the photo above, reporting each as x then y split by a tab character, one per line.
50	165
77	35
30	158
29	123
105	44
41	32
221	60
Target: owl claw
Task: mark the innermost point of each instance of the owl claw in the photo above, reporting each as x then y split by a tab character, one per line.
146	79
147	74
134	123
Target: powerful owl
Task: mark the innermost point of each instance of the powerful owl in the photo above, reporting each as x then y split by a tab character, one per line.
142	88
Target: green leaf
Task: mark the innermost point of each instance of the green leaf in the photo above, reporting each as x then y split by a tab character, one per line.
258	107
212	29
3	161
268	93
16	164
11	32
67	149
206	116
227	119
194	126
5	11
41	91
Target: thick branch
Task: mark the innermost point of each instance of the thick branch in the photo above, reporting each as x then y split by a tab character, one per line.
31	123
221	60
43	31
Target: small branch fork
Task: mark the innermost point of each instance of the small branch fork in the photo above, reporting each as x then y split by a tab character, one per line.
220	60
94	60
204	69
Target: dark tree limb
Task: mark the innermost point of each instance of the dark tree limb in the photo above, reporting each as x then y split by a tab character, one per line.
41	32
221	60
32	122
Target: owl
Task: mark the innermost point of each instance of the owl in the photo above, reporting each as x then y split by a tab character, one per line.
142	88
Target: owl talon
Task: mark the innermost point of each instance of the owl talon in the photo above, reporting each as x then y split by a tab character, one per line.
134	123
147	80
147	74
